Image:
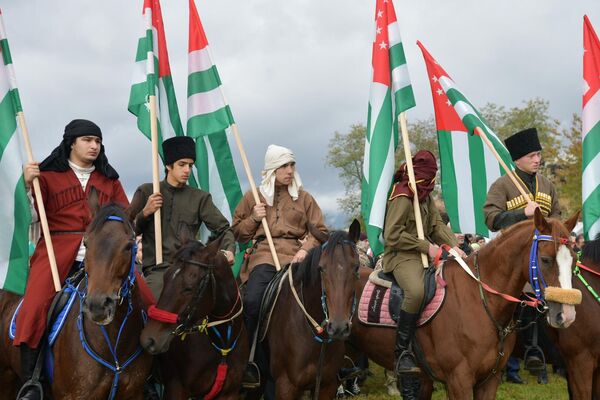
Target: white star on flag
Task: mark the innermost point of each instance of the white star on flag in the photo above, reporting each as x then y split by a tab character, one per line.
382	45
439	92
379	14
378	30
448	102
435	79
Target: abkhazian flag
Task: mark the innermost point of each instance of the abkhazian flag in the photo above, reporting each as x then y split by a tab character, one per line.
209	116
391	93
468	167
14	203
152	76
590	117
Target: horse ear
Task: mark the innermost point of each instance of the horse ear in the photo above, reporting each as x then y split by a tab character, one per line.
540	221
354	230
572	221
215	245
93	201
320	236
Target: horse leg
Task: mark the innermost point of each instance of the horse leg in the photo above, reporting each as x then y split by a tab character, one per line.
285	389
581	374
328	391
488	389
10	384
460	384
426	388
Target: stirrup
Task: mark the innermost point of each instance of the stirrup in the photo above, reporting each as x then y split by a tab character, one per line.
534	359
251	378
411	370
31	384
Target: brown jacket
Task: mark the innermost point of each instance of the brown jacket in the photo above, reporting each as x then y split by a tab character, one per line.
287	221
400	231
505	206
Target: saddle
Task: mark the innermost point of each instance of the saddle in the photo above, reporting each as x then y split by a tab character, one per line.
268	302
382	298
57	315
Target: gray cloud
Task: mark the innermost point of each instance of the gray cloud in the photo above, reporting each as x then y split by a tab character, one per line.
294	72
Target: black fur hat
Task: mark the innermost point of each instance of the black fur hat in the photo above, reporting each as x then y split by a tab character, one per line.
179	147
522	143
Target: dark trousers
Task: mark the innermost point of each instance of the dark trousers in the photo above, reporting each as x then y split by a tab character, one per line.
255	288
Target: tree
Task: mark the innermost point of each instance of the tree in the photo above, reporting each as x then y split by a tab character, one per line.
568	171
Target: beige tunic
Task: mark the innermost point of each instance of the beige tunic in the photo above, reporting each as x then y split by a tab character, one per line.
287	221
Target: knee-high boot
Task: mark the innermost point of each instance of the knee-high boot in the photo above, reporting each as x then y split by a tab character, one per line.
32	389
405	359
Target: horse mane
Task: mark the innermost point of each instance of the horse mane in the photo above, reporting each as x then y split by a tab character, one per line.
188	249
307	271
103	213
591	249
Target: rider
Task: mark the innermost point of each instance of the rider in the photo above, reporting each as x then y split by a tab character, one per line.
183	210
505	206
403	248
66	178
287	208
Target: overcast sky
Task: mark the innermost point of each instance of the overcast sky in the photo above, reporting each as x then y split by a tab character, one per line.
293	71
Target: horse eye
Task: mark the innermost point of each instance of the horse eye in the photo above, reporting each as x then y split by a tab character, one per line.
187	290
128	246
547	261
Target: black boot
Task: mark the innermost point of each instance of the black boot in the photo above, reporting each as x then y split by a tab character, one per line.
32	388
405	359
409	387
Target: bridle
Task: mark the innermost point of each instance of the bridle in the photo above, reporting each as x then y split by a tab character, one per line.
185	321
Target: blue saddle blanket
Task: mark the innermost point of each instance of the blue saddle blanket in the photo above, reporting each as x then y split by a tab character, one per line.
58	322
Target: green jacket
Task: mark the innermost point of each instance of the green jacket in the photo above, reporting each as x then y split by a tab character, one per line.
183	209
400	231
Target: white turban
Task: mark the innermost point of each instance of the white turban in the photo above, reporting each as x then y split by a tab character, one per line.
275	157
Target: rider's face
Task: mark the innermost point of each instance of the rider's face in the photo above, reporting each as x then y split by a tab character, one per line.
85	150
180	171
285	174
530	163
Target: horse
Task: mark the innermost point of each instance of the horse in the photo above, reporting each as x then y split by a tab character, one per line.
303	354
579	345
97	353
469	341
201	305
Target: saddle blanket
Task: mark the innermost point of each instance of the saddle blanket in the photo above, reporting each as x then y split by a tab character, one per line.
57	323
375	307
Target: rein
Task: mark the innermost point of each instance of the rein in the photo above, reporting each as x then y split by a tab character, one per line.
577	272
124	293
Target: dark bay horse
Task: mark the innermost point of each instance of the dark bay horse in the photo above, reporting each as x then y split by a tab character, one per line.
461	345
325	283
197	328
109	310
580	344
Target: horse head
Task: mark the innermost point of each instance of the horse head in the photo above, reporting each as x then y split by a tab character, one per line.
109	263
555	262
189	294
337	262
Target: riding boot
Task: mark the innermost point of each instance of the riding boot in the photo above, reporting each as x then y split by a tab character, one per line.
32	389
410	386
405	358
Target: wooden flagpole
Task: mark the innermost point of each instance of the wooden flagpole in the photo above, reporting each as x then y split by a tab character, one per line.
508	171
265	225
413	185
155	178
40	204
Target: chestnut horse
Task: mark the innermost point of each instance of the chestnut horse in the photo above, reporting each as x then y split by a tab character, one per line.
462	345
97	353
579	345
200	307
300	353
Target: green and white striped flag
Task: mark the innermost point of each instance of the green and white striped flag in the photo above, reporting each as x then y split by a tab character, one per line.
591	132
14	203
208	118
152	76
391	93
468	167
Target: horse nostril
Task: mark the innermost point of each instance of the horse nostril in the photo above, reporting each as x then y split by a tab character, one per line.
108	302
560	318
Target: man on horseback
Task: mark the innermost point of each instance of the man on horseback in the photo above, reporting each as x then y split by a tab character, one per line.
505	206
288	209
184	209
403	248
66	178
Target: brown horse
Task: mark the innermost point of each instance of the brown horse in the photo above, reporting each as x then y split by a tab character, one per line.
462	345
579	345
108	316
201	305
325	282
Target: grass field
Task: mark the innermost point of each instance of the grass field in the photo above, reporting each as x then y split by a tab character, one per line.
556	389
